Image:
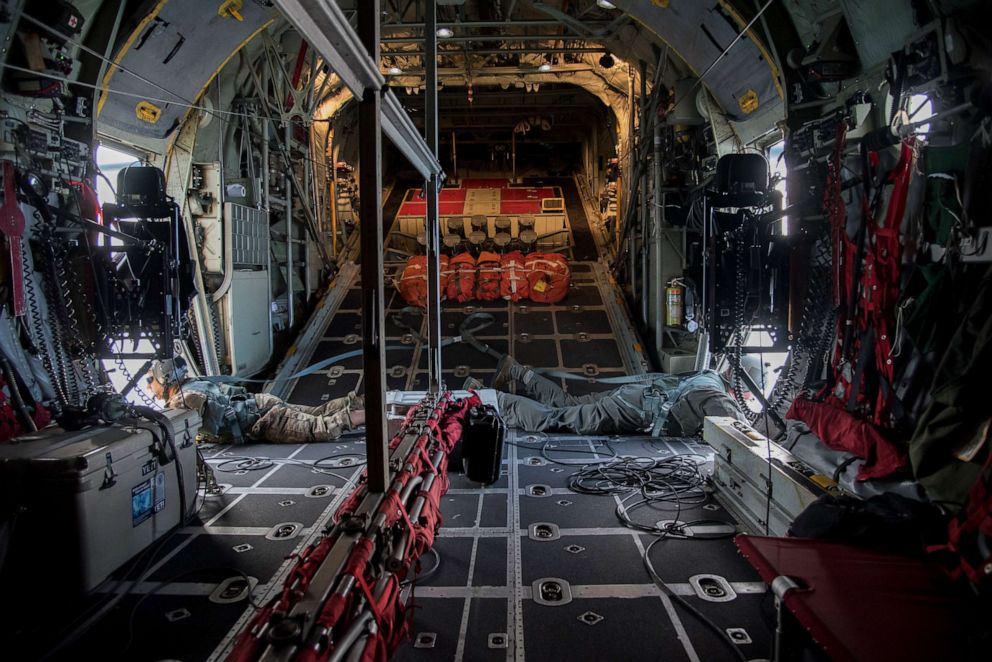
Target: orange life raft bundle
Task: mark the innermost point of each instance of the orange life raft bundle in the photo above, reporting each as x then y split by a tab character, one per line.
487	286
461	278
549	277
412	284
513	283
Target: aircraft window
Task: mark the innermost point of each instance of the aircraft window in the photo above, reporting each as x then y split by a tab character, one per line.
776	160
919	108
772	362
111	160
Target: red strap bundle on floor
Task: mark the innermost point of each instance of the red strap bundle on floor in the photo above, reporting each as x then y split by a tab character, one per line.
513	284
549	277
441	430
487	285
461	278
412	285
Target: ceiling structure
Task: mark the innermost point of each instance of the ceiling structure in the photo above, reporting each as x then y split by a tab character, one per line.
511	46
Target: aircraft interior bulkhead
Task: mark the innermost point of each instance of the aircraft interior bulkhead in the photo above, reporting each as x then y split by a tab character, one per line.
464	330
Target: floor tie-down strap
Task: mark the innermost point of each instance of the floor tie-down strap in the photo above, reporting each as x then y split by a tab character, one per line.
346	591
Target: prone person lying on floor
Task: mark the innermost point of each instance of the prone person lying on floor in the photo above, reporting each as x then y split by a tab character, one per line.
660	404
232	414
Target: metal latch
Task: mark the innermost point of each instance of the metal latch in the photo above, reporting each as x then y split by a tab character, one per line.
109	475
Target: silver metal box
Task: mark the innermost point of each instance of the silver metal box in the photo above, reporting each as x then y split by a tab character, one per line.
747	465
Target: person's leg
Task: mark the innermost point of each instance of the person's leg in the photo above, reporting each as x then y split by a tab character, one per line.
608	415
292	426
545	390
351	402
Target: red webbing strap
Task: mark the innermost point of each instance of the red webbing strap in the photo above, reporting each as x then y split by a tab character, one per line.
886	249
247	646
355	566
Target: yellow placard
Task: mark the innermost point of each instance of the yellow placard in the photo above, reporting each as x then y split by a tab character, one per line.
146	111
540	285
748	101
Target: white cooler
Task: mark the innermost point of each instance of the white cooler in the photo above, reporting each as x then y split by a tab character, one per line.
88	501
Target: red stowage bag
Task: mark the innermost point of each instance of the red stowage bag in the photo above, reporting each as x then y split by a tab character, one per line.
412	285
549	277
488	279
461	278
513	283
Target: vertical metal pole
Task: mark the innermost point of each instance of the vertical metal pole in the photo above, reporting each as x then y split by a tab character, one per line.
657	285
645	216
265	166
454	155
594	183
513	153
334	209
290	267
435	378
373	316
632	164
314	204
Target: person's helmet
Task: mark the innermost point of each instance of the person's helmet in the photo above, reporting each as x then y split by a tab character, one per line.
168	372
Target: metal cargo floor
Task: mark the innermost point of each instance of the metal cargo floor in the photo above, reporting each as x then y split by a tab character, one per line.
479	604
586	333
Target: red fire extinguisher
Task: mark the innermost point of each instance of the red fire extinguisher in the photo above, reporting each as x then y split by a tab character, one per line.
675	303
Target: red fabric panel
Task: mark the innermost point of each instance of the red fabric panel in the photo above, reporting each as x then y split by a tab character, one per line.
520	207
445	208
527	193
484	183
452	195
841	431
860	604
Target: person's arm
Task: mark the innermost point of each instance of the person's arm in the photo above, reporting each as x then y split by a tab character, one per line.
188	399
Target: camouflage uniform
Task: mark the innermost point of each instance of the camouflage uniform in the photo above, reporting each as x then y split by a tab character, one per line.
231	413
663	404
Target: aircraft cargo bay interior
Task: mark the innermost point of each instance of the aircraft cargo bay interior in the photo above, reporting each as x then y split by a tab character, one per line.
461	330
